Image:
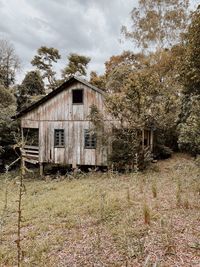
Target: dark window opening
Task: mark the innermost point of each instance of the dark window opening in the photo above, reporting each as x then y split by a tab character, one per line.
59	140
31	136
77	96
90	139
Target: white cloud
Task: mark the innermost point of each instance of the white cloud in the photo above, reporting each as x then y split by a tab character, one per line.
89	27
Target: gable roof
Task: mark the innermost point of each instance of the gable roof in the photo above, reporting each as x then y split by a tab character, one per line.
62	87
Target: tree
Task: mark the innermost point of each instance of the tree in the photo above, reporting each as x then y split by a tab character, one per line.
33	83
135	106
98	80
7	110
30	90
190	65
157	24
157	28
127	58
189	131
119	67
146	92
189	126
77	65
44	60
9	63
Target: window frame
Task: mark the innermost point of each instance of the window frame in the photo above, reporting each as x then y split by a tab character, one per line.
90	138
78	103
60	137
31	136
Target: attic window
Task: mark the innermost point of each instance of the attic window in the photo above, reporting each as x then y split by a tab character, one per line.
77	96
90	139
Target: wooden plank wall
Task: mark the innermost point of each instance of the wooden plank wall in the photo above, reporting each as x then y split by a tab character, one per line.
60	113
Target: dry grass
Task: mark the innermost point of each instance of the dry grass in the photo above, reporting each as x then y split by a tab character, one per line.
99	219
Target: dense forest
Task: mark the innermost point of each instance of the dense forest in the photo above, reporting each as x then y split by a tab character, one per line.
159	86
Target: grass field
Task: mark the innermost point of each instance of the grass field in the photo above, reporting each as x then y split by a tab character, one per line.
105	219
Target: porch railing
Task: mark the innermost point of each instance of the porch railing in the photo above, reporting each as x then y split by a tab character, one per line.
31	154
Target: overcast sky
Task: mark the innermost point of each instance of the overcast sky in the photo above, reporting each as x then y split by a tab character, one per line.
88	27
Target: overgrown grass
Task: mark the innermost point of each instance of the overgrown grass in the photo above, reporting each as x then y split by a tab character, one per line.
106	220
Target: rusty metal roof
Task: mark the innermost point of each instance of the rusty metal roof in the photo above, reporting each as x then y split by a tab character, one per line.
62	87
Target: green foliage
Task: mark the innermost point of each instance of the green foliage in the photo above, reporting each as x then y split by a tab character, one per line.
77	65
96	117
135	104
144	92
157	24
189	131
7	106
190	65
125	144
30	90
44	60
189	124
33	83
98	80
8	127
9	64
119	67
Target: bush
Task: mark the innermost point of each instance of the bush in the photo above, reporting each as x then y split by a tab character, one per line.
162	152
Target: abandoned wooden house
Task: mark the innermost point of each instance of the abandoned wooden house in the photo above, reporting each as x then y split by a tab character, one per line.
56	129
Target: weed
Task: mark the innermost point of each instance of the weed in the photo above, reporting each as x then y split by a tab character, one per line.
186	203
146	213
167	239
178	193
62	220
154	188
102	205
128	196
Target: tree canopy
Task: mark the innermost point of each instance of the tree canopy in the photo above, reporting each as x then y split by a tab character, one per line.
157	24
77	65
189	123
9	64
44	60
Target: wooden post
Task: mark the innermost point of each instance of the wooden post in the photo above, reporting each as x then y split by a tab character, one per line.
41	169
22	133
74	166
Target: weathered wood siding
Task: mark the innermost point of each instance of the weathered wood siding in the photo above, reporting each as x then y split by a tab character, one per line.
60	113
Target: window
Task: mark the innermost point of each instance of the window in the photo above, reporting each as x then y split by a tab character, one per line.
31	136
90	139
77	96
59	140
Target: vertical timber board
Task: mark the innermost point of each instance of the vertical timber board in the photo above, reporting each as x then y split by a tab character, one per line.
70	110
78	142
66	100
29	123
89	154
65	125
82	142
41	142
70	145
77	112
